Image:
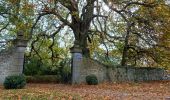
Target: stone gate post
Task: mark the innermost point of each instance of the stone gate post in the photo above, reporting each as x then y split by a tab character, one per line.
20	47
77	59
12	60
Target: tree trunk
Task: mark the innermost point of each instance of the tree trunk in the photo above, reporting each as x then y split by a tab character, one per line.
125	49
81	34
82	43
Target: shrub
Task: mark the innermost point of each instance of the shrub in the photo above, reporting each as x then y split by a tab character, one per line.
15	82
91	80
64	70
43	79
65	73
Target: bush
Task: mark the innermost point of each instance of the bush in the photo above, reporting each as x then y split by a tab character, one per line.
15	82
43	79
65	73
91	80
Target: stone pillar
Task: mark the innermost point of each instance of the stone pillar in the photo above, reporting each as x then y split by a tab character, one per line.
76	63
11	62
20	47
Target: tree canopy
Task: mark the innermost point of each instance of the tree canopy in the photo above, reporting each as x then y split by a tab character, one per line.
126	32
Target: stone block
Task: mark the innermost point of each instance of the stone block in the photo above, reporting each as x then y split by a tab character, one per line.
139	74
130	74
11	63
112	74
2	78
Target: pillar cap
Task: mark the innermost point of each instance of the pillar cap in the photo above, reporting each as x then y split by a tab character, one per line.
20	42
76	49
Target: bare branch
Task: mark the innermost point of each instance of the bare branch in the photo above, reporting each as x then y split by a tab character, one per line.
4	27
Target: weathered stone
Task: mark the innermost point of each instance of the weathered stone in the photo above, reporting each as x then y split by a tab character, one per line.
116	74
76	64
130	74
11	61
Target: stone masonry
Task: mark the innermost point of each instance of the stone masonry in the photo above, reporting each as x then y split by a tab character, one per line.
118	74
82	67
11	61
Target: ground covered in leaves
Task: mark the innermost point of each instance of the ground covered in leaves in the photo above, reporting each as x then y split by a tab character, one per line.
105	91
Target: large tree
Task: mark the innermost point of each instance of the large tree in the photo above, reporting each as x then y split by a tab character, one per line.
120	27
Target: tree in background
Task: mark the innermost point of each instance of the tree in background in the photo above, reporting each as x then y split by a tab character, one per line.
15	15
143	32
120	31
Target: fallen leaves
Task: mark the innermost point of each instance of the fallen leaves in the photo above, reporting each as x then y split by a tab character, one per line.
106	91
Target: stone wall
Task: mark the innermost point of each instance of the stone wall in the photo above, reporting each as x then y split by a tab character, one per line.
6	59
11	60
90	66
135	74
118	74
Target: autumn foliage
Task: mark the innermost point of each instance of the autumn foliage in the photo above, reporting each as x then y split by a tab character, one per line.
106	91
